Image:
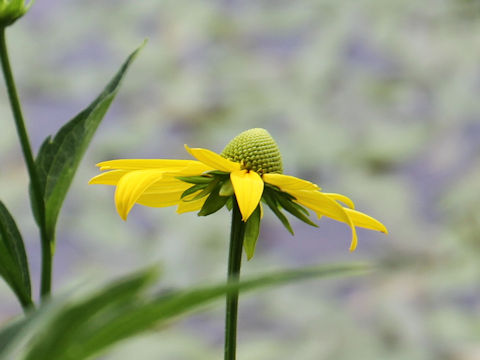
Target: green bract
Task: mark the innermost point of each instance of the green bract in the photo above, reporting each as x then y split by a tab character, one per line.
11	10
217	188
256	150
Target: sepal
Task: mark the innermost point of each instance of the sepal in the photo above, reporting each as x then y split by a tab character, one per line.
252	230
213	203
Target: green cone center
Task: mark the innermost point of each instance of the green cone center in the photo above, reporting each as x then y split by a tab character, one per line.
256	150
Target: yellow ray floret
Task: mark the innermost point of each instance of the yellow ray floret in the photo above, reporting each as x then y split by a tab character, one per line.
108	178
140	164
213	160
324	205
160	200
339	197
289	183
187	206
365	221
131	186
248	187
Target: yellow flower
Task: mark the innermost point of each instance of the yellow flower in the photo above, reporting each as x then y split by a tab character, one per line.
248	171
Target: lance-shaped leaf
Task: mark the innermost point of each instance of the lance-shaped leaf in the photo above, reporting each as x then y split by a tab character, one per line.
271	201
75	328
58	158
13	260
252	229
213	203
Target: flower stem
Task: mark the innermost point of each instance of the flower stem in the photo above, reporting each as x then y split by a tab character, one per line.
37	201
234	264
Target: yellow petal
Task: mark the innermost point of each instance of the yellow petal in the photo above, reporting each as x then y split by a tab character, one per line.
108	178
289	183
187	206
324	205
248	187
165	185
140	164
213	160
195	168
160	200
339	197
365	221
131	186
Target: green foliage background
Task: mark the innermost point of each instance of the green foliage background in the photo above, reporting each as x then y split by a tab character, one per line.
374	99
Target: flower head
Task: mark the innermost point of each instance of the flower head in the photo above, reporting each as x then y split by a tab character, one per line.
248	172
11	10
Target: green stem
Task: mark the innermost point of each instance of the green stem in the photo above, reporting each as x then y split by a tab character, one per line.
27	305
234	264
37	201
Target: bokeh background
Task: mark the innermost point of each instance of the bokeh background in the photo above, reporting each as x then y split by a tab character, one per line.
370	98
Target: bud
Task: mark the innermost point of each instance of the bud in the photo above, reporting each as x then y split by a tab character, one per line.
11	10
256	150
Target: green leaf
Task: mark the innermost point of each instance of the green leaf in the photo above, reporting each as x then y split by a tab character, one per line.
272	204
229	203
193	189
66	315
79	327
58	158
196	179
206	191
252	229
295	209
13	259
213	203
287	197
10	334
219	173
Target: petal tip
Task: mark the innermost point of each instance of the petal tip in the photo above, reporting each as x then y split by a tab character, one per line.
188	148
382	228
122	213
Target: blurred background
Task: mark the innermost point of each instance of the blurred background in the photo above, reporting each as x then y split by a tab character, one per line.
374	99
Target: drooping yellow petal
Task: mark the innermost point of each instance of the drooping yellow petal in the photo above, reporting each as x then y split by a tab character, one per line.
213	160
166	184
139	164
131	186
324	205
160	200
195	168
339	197
289	183
108	178
365	221
187	206
248	187
317	201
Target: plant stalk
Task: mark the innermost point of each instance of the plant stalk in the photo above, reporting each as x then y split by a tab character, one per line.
37	201
234	264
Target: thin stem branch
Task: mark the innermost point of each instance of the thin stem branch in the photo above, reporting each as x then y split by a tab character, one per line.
234	264
37	201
